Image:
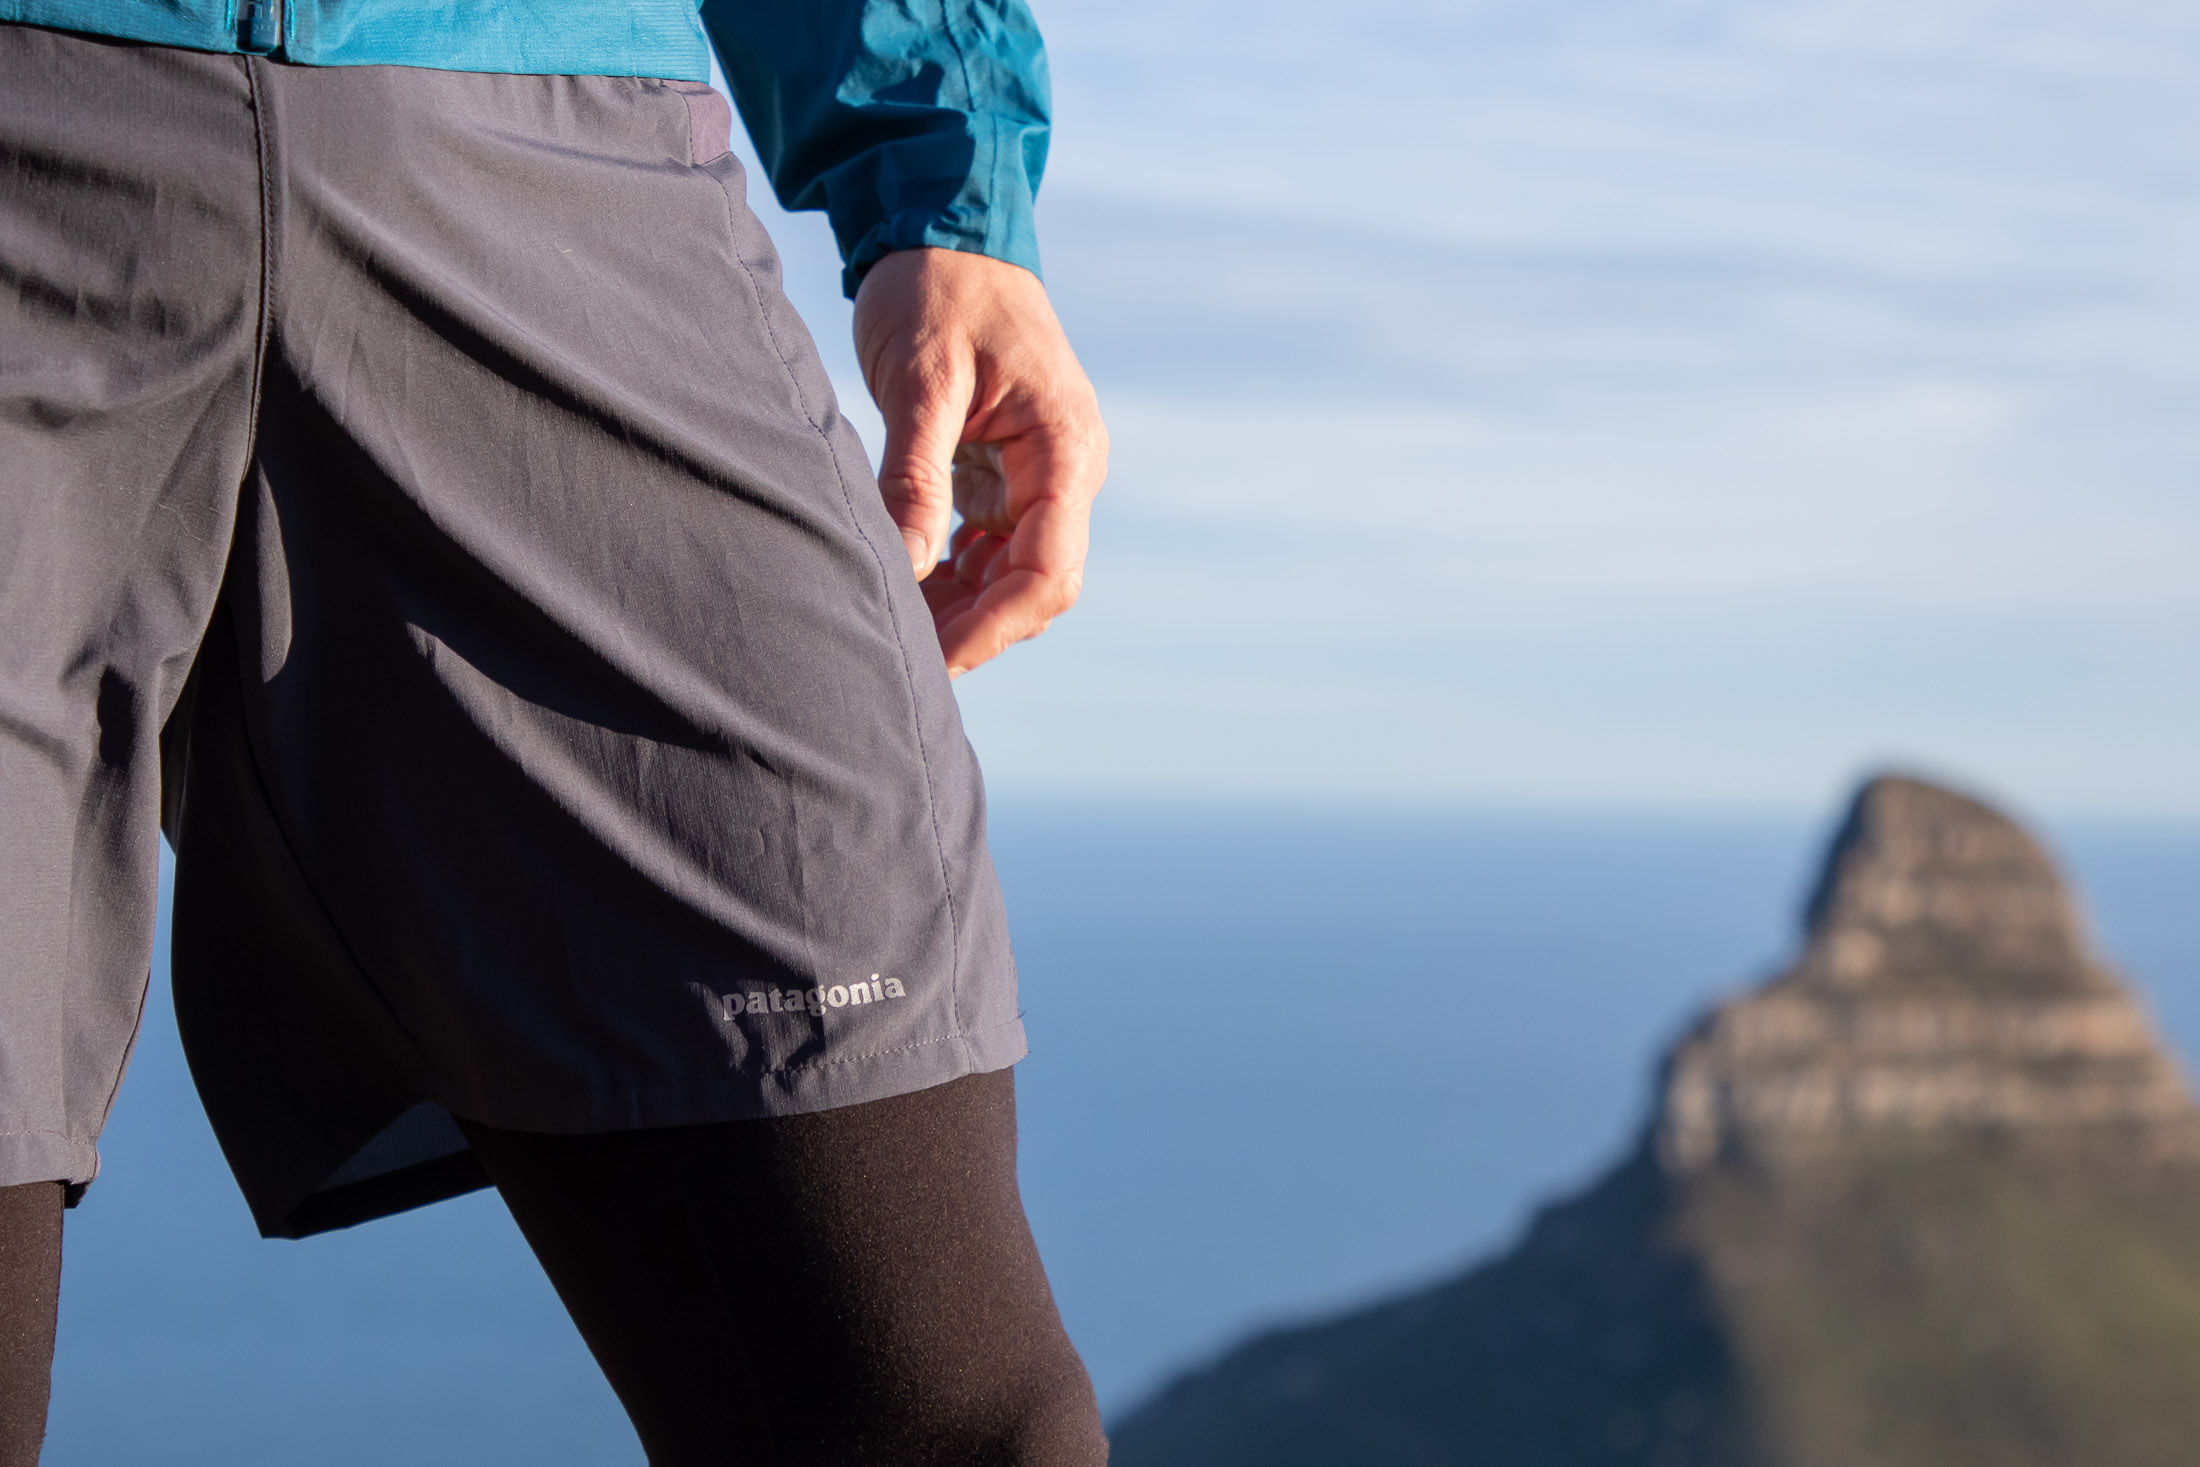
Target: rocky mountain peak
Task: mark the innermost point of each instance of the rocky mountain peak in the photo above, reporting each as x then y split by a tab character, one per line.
1926	886
1943	983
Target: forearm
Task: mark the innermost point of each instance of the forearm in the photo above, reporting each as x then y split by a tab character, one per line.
920	128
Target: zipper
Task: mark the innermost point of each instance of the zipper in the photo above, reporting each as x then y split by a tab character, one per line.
260	27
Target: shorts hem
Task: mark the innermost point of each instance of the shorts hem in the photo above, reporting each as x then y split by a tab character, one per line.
776	1093
46	1156
826	1084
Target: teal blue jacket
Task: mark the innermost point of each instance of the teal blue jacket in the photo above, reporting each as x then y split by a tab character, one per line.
909	122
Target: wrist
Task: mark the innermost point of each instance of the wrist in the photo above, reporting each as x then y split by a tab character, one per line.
1002	235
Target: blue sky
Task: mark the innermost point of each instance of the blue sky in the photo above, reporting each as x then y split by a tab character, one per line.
1675	403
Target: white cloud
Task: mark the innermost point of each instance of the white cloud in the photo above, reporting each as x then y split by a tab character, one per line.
1674	401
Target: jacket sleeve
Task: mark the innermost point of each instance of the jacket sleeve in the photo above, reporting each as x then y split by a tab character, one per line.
909	122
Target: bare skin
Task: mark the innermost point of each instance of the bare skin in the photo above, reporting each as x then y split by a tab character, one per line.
987	414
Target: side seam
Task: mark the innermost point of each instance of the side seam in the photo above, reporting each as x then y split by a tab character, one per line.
901	640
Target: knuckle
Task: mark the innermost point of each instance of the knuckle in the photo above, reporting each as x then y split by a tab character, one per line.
916	483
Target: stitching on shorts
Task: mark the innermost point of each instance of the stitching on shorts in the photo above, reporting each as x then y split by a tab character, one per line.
756	294
901	643
262	142
872	1054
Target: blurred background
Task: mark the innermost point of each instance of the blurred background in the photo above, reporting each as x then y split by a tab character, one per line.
1559	447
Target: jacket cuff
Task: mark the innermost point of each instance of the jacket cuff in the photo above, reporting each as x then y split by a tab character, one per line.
1002	233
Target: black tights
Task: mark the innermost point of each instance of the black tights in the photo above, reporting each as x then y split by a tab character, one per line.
856	1288
30	1287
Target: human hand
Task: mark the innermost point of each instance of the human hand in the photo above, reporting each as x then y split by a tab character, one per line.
987	412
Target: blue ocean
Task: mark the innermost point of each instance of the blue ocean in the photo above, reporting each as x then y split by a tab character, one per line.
1283	1061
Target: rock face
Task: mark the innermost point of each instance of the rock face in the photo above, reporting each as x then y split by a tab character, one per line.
1928	1198
1943	984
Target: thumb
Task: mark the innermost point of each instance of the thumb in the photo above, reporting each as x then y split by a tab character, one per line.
924	422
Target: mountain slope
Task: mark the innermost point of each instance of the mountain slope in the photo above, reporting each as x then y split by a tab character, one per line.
1929	1198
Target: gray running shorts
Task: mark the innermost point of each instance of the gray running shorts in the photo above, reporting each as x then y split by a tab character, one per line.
417	495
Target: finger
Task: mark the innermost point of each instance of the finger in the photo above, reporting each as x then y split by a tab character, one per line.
980	559
1050	477
954	587
1035	577
1018	606
966	534
947	599
924	412
1038	572
1054	510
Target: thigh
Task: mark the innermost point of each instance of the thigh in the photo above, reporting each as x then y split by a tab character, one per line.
30	1292
130	248
856	1286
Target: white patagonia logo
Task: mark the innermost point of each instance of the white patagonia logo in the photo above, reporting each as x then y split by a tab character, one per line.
812	1001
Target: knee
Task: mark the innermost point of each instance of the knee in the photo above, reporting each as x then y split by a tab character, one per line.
1052	1421
1056	1426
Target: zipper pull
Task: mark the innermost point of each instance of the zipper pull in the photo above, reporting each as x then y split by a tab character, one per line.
260	27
